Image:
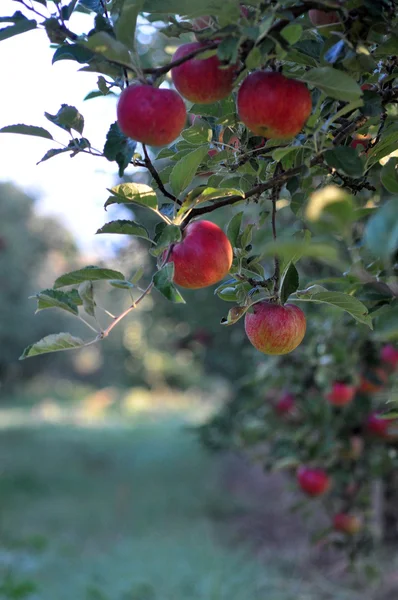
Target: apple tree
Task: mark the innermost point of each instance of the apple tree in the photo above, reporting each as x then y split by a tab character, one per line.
280	118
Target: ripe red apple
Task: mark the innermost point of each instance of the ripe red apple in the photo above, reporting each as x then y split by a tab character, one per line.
313	482
377	426
151	115
389	355
275	329
201	23
285	404
360	140
350	524
202	80
368	386
341	394
203	257
322	17
272	105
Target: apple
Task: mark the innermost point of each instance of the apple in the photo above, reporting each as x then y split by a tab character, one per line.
312	481
203	256
350	524
151	115
321	17
341	394
202	23
369	386
377	426
203	81
285	404
273	106
360	140
389	355
275	329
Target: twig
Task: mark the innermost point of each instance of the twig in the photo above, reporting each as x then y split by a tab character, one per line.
117	320
275	195
158	71
149	165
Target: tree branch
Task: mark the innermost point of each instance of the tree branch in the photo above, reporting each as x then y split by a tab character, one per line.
149	165
158	71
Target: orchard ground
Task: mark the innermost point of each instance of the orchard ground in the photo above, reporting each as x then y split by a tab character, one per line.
108	496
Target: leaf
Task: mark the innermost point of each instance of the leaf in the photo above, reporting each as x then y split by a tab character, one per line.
118	147
233	229
75	52
21	26
200	133
94	5
169	235
127	22
122	284
52	343
104	44
290	282
91	273
386	325
185	170
293	251
163	282
27	130
86	293
334	83
138	193
381	232
384	147
389	175
74	147
234	314
124	227
345	160
68	117
332	207
55	299
345	302
53	152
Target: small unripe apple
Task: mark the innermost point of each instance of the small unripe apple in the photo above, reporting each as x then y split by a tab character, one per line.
389	355
273	106
275	329
350	524
202	80
203	256
322	17
313	482
377	426
151	115
341	394
285	404
369	386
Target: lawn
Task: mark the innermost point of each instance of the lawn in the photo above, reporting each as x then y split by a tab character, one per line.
124	512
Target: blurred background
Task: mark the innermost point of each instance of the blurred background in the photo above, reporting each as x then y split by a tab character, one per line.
105	490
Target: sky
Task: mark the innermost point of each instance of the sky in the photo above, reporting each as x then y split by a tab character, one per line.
72	189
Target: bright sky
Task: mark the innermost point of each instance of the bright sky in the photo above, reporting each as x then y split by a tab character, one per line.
73	189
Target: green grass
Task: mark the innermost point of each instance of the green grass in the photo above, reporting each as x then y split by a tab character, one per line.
122	513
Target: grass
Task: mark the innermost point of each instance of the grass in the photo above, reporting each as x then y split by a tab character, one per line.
122	513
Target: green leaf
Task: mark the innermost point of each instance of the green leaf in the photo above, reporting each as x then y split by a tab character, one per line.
383	148
345	160
68	118
121	284
331	207
334	83
389	175
200	133
118	147
52	343
138	193
234	314
55	299
86	293
21	26
113	50
124	227
345	302
233	229
228	294
163	282
185	170
127	22
381	232
74	147
91	273
386	325
74	52
292	251
27	130
53	152
290	282
292	33
170	234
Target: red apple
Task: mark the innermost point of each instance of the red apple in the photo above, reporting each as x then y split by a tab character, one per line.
313	482
202	80
369	386
377	426
272	105
350	524
322	17
389	355
341	394
360	140
202	23
275	329
203	257
285	404
151	115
